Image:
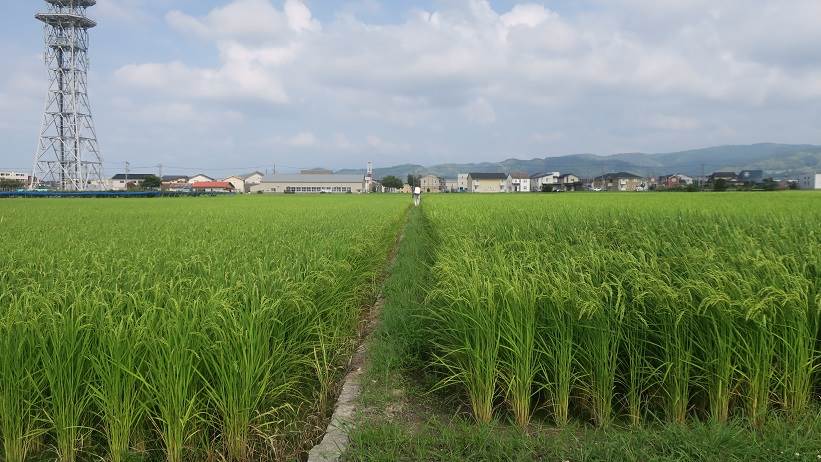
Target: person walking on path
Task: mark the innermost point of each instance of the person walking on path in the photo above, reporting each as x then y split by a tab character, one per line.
417	196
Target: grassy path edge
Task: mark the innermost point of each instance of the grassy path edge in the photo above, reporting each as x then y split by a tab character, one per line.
335	441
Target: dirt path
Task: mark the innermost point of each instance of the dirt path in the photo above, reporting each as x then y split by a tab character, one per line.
336	439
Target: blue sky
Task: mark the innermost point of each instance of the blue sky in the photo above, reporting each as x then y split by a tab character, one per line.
229	85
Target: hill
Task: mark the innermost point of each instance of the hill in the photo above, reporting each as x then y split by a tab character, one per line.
778	160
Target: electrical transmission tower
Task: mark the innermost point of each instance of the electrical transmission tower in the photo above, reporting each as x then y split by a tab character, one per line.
68	156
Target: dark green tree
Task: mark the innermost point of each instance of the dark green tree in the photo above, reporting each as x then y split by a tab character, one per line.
720	185
151	182
392	182
414	180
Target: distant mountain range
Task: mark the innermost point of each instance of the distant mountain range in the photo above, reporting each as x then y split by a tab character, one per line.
777	160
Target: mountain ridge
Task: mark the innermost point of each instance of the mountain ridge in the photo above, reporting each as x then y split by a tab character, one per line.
777	160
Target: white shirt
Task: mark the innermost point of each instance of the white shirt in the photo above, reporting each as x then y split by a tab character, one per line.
417	190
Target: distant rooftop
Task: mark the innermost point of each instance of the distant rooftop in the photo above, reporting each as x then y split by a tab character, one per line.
131	176
313	178
488	176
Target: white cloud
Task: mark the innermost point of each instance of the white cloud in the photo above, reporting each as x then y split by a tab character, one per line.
303	140
480	112
239	80
537	76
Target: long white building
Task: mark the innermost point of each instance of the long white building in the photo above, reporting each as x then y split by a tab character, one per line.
15	176
310	184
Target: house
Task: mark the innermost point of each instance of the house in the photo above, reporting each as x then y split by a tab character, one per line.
172	186
182	179
200	178
432	184
312	183
451	185
518	182
462	182
243	183
569	182
542	181
810	181
674	181
729	177
126	181
620	181
487	182
751	177
213	187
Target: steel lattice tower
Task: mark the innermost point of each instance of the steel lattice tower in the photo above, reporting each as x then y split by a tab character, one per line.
68	156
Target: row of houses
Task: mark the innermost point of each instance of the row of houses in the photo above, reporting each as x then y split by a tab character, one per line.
484	182
616	181
184	183
317	181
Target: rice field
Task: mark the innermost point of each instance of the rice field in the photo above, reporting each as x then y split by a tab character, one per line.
180	329
626	308
218	328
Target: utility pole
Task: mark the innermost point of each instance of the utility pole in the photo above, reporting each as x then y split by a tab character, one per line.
127	171
159	171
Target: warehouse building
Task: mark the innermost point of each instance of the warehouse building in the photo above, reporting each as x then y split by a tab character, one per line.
311	184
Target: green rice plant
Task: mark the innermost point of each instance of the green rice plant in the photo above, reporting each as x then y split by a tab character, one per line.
173	353
600	335
117	363
468	337
677	348
245	355
555	345
518	353
64	338
757	347
20	378
636	372
716	338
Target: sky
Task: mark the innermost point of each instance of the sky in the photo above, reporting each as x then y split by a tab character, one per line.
238	85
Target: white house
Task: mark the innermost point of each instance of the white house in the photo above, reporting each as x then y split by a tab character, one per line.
810	181
123	181
243	183
200	178
518	182
539	179
462	183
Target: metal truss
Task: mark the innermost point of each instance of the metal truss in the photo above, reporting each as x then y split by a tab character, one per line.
68	156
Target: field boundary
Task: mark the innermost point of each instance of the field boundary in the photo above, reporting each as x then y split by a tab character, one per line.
336	439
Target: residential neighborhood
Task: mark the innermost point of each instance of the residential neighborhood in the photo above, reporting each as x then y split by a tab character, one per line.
325	181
